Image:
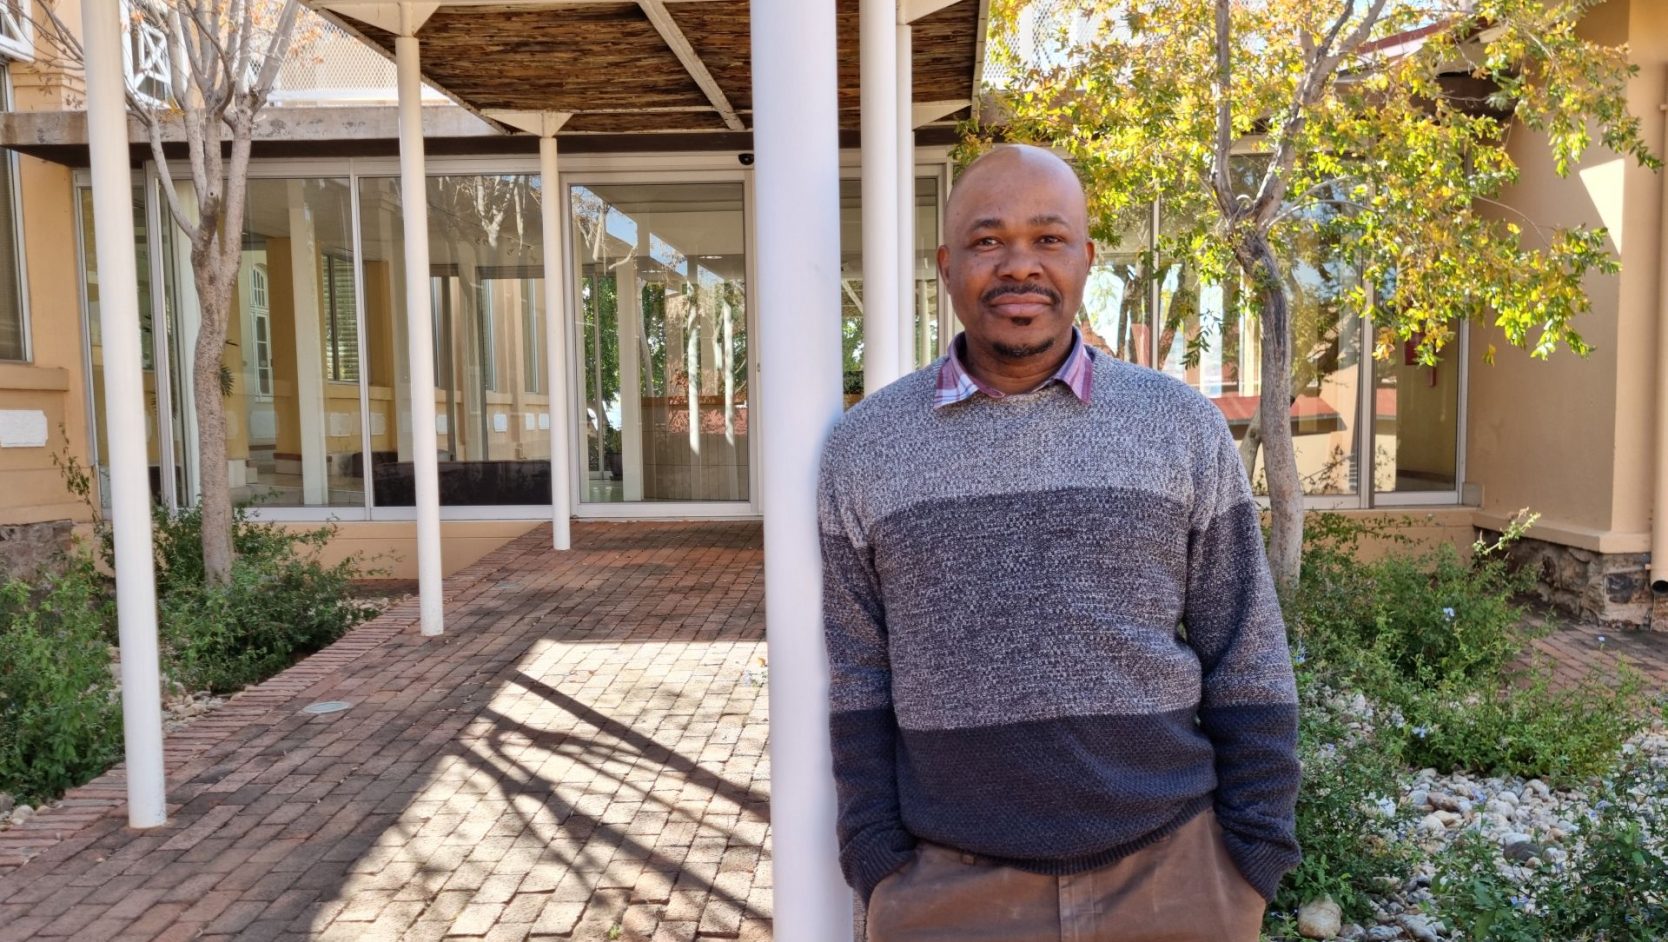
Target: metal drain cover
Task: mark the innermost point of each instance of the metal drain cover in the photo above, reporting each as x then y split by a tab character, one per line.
326	706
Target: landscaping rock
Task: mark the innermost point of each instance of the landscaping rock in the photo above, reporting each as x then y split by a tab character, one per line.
1383	933
1432	823
1423	928
6	803
1320	919
21	814
1523	851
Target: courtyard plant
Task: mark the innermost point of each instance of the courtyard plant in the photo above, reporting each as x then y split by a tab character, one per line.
60	707
1452	789
1374	128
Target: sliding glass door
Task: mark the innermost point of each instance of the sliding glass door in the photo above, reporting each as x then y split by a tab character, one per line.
661	283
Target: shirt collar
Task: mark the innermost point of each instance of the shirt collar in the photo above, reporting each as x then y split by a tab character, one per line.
956	384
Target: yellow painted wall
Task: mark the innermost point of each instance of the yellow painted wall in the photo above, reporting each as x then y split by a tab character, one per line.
53	381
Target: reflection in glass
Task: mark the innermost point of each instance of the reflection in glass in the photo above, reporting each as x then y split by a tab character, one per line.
1114	316
661	284
486	325
294	429
851	280
147	342
1211	339
1416	422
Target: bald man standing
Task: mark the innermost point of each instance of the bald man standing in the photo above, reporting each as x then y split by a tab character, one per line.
1062	701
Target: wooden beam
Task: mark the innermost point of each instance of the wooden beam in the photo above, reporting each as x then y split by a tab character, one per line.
911	10
697	69
540	123
401	18
926	112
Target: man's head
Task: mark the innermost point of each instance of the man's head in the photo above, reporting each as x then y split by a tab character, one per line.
1016	253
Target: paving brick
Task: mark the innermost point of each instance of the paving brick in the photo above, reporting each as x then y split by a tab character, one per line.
581	751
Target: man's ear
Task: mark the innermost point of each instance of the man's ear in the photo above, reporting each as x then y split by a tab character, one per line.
1089	250
944	265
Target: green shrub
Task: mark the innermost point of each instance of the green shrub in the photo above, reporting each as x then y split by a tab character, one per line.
60	718
1345	810
279	604
1526	728
1440	641
1613	889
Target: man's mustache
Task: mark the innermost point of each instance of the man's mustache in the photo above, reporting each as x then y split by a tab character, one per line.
1003	290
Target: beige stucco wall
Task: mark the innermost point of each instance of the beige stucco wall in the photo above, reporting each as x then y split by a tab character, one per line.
1571	437
53	381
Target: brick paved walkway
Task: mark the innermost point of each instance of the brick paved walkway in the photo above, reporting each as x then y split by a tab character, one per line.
582	756
1580	651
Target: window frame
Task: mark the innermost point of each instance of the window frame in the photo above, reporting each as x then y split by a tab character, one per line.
19	252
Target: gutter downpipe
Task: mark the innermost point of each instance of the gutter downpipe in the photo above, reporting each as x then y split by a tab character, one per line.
1659	503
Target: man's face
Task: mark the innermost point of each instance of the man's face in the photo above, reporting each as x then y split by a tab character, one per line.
1017	254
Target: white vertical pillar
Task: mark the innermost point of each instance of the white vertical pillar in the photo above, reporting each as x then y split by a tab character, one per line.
414	215
309	348
124	415
556	341
879	127
797	206
629	298
905	39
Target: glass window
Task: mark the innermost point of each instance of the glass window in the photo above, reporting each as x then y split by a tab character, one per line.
1115	314
662	286
95	342
341	318
851	280
14	344
294	420
486	284
1211	338
1415	422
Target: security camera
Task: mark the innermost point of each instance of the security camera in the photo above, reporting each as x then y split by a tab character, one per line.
746	159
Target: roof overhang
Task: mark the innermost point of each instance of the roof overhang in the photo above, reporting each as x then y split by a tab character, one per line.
630	77
672	67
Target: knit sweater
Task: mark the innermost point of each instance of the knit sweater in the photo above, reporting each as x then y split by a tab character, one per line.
1052	633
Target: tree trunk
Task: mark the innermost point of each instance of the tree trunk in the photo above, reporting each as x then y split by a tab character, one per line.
1285	485
214	297
1251	445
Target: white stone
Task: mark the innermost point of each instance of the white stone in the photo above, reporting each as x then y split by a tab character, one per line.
1320	919
1420	927
1433	823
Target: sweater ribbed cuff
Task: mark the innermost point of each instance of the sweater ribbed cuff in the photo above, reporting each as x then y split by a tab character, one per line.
875	858
1260	862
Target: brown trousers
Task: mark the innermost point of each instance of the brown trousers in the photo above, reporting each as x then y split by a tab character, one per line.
1184	888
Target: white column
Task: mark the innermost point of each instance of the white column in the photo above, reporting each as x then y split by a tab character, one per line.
556	343
629	298
309	348
797	207
414	215
879	126
124	415
905	39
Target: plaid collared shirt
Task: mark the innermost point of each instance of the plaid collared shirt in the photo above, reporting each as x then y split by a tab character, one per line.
955	383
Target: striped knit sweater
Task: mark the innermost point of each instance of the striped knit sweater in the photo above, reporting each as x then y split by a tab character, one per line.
1052	633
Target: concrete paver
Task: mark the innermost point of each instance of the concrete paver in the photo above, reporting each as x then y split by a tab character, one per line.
586	741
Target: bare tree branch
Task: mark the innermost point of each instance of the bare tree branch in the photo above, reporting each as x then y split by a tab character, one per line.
1323	62
1222	181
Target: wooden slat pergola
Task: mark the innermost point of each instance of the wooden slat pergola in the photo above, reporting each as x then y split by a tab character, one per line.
674	67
